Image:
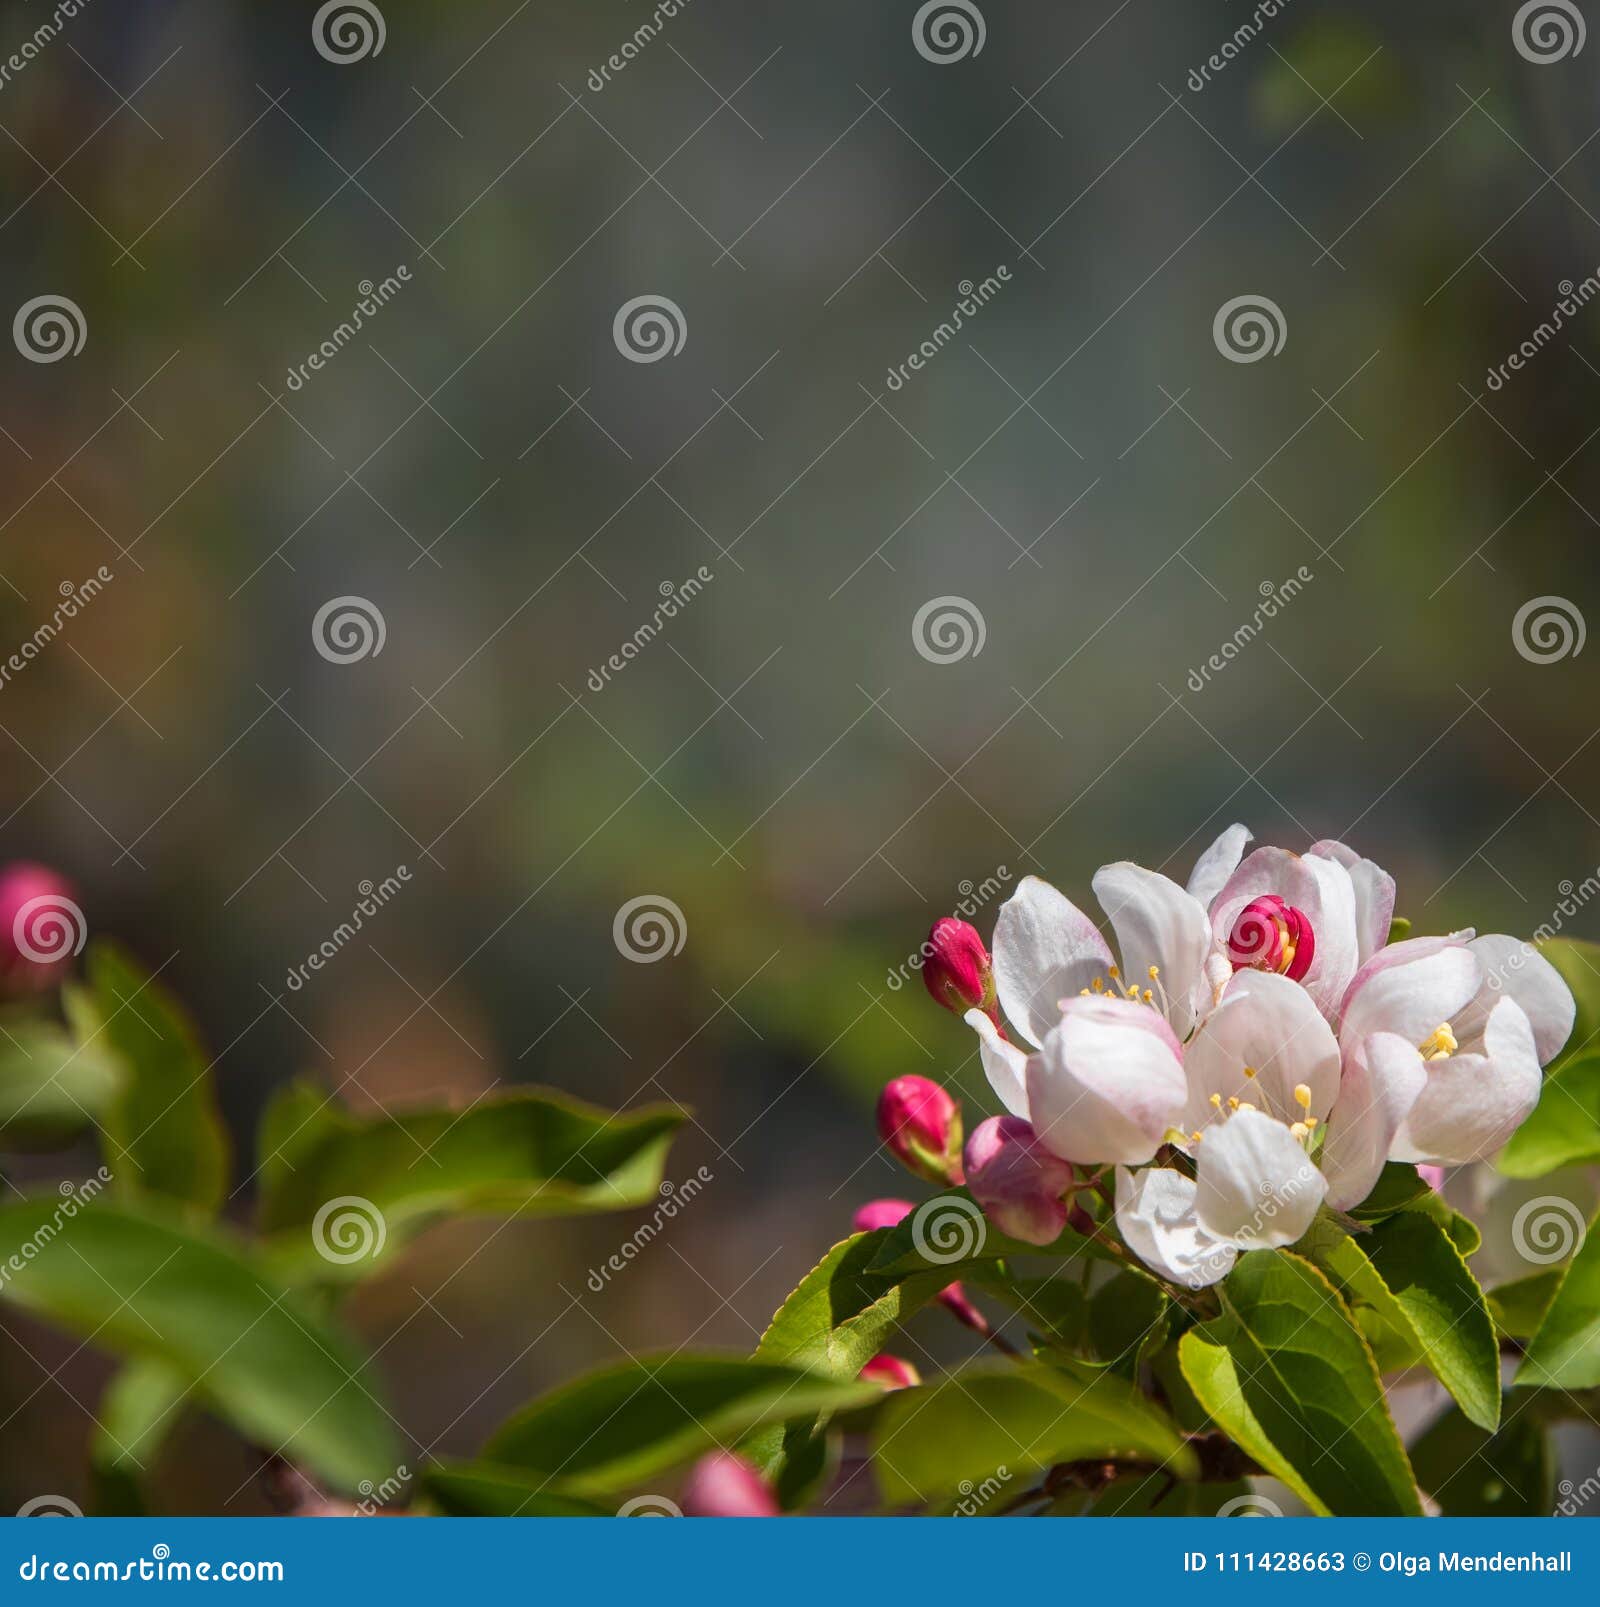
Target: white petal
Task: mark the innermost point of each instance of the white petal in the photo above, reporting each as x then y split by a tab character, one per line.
1473	1103
1268	1023
1256	1187
1380	1086
1004	1064
1409	989
1374	889
1045	950
1516	970
1158	924
1217	864
1155	1215
1108	1084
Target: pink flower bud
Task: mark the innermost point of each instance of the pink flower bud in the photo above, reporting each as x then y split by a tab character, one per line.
1270	935
956	968
723	1485
891	1372
890	1213
41	928
921	1124
1017	1181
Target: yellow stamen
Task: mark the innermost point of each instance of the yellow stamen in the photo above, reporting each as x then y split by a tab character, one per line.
1440	1044
1300	1131
1302	1096
1155	972
1113	972
1233	1102
1216	1101
1249	1071
1149	997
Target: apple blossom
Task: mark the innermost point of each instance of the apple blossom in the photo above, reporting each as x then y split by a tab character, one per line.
722	1485
1017	1181
921	1125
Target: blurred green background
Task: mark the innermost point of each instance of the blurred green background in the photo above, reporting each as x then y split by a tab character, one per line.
1080	465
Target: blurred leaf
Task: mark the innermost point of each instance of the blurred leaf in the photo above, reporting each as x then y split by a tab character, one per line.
1474	1474
298	1116
984	1422
1154	1495
1338	53
613	1428
50	1087
484	1490
145	1287
1564	1126
1579	965
524	1153
1519	1307
163	1132
1565	1352
140	1408
1290	1378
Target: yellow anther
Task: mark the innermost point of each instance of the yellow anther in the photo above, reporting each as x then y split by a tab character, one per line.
1083	993
1249	1071
1098	985
1300	1131
1311	1121
1440	1044
1195	1136
1173	1136
1216	1101
1233	1102
1302	1096
1113	972
1155	972
1149	997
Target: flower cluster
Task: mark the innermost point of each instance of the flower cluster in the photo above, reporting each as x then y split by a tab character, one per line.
1256	1047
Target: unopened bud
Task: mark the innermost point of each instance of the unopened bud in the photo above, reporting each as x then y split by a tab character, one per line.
1017	1181
891	1372
956	969
890	1213
921	1125
723	1485
41	928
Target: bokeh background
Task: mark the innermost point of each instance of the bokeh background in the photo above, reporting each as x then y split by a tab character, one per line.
1081	466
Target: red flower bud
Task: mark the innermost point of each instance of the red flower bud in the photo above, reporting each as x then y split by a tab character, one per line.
891	1372
921	1124
1269	935
41	928
723	1485
956	968
1017	1181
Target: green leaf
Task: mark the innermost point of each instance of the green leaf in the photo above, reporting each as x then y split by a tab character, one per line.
1474	1474
1056	1308
1398	1185
1128	1317
50	1087
148	1287
985	1422
140	1408
163	1133
623	1424
524	1153
1565	1352
1564	1127
954	1229
297	1118
1519	1307
1288	1375
486	1490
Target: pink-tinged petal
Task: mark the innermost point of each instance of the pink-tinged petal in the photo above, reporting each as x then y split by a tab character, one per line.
1255	1186
1402	953
1473	1103
1004	1064
1410	994
890	1372
1269	1024
1516	970
1108	1084
1158	925
1217	864
723	1485
1155	1216
1017	1181
1380	1086
1374	889
1045	950
881	1214
1433	1176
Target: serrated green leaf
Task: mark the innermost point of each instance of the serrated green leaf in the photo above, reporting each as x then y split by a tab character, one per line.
142	1284
50	1087
1056	1309
164	1135
1288	1375
1564	1127
1127	1321
982	1422
524	1153
615	1427
140	1408
1474	1474
1565	1352
486	1490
